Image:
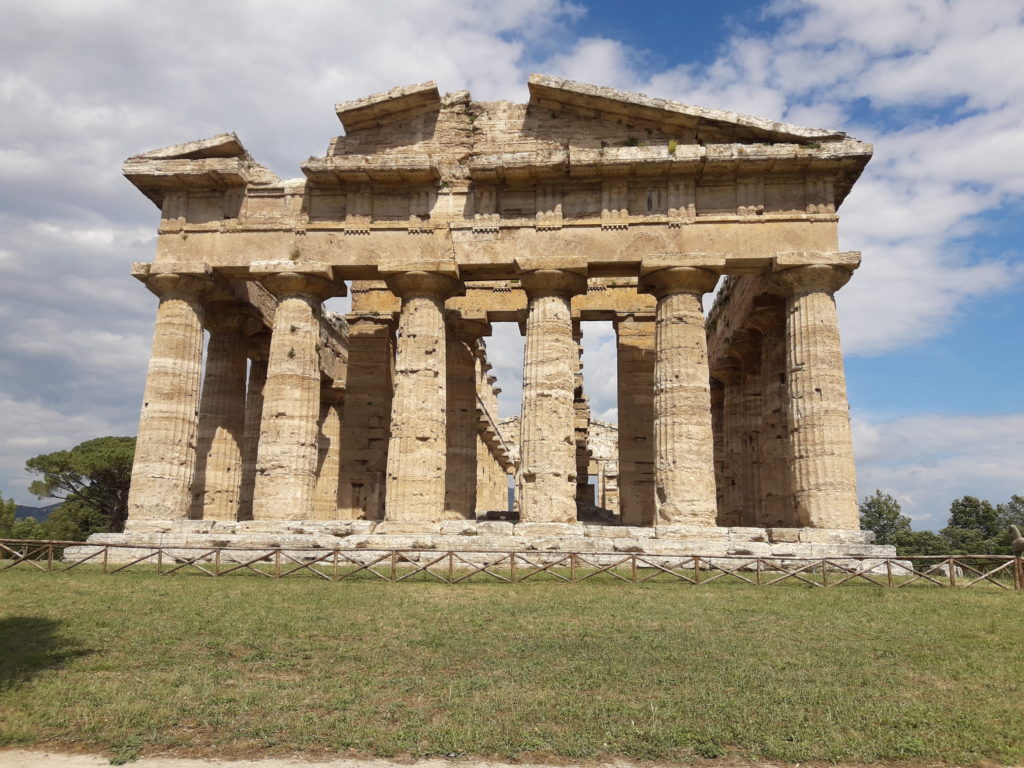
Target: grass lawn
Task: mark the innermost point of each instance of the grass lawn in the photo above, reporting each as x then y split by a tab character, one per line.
249	666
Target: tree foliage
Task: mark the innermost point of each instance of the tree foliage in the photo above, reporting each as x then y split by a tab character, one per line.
881	513
974	526
93	479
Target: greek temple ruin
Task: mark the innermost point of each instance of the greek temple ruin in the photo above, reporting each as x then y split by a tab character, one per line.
268	419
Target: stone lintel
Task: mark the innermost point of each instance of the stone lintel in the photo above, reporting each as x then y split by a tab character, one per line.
380	108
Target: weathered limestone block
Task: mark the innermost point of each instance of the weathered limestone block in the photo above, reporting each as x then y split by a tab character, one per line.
693	532
407	527
218	479
635	357
684	461
366	415
620	532
259	353
824	478
165	453
547	476
494	528
554	530
418	444
325	495
737	533
287	458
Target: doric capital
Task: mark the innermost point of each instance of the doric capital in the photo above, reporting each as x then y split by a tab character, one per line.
432	285
552	282
726	370
287	284
466	329
665	282
259	346
331	393
367	325
225	316
768	317
174	285
815	278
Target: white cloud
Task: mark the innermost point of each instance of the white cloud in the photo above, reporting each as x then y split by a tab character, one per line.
927	461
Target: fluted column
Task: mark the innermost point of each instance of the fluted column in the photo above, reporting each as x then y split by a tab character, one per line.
547	477
777	498
287	456
730	492
165	450
747	349
259	352
218	478
460	493
824	478
635	359
418	444
717	407
684	471
366	414
325	495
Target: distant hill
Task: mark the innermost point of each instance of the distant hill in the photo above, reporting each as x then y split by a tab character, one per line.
39	513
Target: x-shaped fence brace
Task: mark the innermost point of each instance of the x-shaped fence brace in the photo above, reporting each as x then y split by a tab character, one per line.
454	567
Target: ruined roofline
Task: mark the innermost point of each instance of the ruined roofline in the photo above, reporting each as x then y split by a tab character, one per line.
404	100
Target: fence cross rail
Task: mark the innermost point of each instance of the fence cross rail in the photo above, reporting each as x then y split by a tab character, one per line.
457	566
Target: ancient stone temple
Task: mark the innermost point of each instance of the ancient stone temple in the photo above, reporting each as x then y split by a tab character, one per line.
443	216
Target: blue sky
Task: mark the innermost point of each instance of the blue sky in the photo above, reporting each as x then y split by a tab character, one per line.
931	323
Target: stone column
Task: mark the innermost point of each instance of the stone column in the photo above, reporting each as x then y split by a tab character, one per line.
325	494
218	479
635	341
287	457
460	493
717	429
366	414
777	498
547	476
581	425
684	470
730	511
259	352
418	444
747	349
165	450
824	478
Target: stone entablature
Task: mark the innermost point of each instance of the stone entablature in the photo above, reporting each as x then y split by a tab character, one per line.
446	215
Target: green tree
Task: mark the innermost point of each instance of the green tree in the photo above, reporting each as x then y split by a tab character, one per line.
92	478
881	513
974	514
13	528
911	543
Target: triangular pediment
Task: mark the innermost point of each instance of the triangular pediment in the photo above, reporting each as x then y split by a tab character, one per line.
697	124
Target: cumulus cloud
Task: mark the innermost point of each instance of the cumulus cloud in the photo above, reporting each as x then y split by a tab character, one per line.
928	460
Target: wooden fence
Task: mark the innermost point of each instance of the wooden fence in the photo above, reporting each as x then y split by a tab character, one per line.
454	567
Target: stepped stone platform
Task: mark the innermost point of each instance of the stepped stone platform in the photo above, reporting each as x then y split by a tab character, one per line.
487	538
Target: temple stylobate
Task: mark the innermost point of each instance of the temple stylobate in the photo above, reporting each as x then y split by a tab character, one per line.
444	216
